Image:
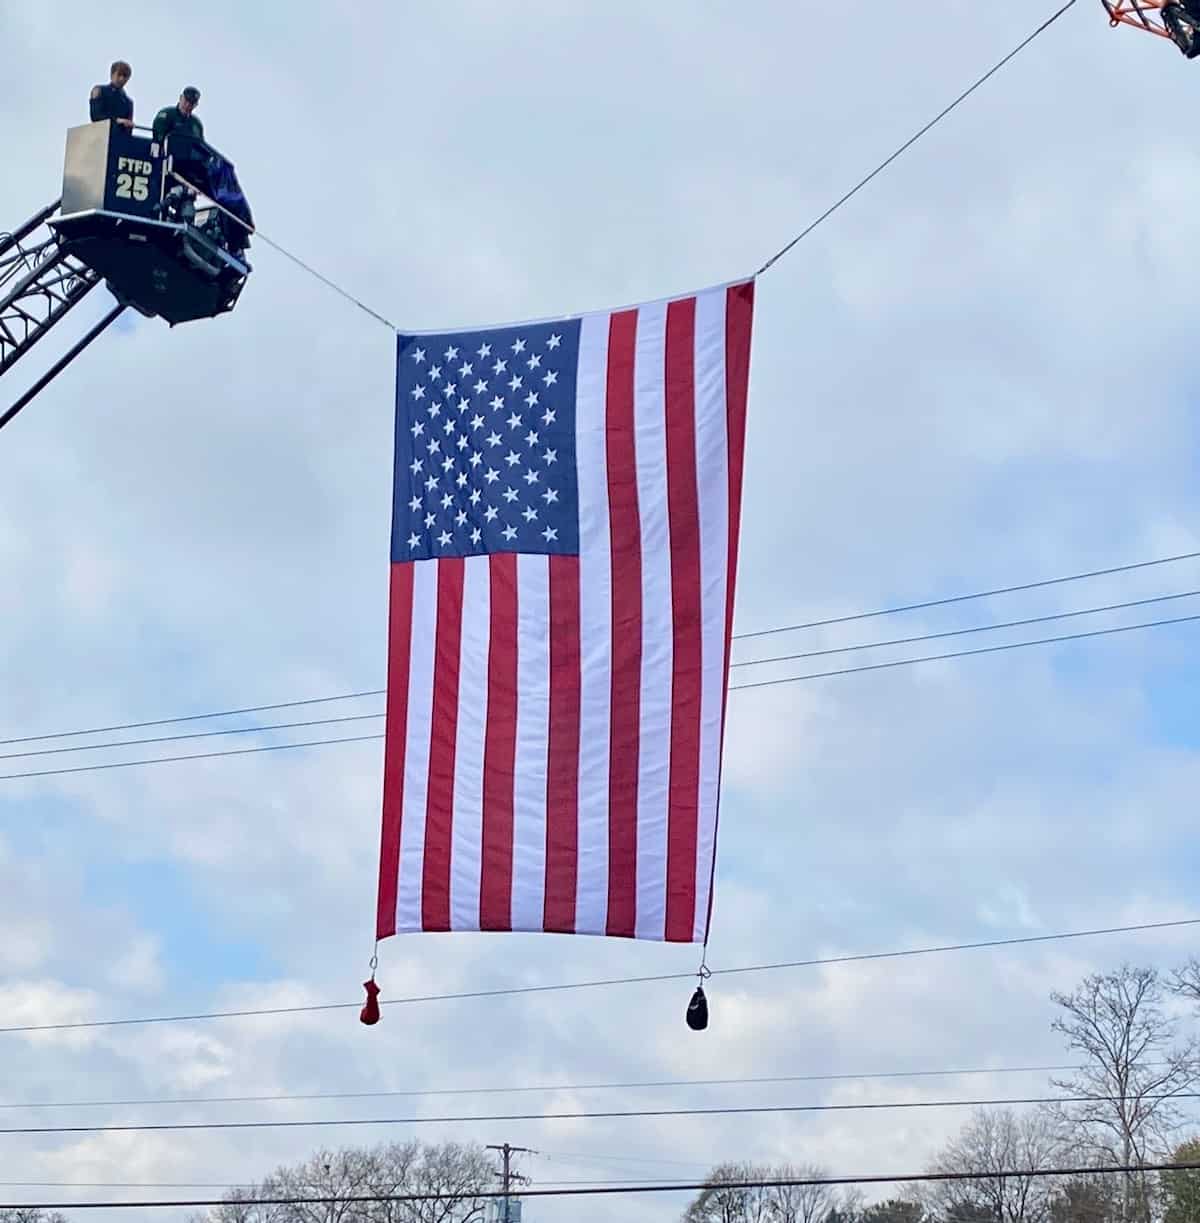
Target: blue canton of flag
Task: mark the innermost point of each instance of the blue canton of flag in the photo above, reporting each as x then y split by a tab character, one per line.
485	443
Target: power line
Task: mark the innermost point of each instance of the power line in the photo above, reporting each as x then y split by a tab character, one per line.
539	1089
979	594
789	628
117	1185
767	683
241	751
156	1127
517	990
629	1188
757	662
958	632
879	169
990	649
234	1185
199	734
194	717
571	1160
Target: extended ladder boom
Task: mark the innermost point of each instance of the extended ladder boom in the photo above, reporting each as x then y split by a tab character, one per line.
164	249
39	285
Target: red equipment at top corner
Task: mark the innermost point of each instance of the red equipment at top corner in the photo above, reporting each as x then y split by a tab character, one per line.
1178	20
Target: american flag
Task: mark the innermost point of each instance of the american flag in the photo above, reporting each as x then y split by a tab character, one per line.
564	547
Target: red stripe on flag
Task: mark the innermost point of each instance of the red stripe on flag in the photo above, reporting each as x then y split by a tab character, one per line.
395	742
562	764
500	749
625	545
739	315
684	514
439	809
739	312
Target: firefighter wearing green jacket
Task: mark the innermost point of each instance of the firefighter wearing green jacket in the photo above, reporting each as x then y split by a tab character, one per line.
180	119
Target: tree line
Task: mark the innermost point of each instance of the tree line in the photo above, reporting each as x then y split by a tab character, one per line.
1124	1105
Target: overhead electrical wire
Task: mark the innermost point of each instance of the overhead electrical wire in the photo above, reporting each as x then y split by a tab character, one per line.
539	1089
193	717
767	683
518	990
629	1188
957	632
228	1185
756	662
199	734
787	628
990	649
156	1127
233	1185
238	751
978	594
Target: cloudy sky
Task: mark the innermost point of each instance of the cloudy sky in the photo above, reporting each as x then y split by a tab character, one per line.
979	372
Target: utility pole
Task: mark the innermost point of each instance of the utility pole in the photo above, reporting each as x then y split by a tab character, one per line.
508	1177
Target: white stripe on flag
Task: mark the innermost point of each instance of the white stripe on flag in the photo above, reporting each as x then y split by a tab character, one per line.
595	608
533	739
649	405
466	850
416	760
713	483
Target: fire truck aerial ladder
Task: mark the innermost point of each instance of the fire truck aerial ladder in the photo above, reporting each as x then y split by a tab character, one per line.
159	226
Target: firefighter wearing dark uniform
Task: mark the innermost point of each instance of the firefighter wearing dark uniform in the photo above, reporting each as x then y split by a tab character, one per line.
179	118
111	101
184	135
201	167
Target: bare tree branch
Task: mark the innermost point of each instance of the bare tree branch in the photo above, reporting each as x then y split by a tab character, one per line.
1133	1069
459	1174
994	1141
